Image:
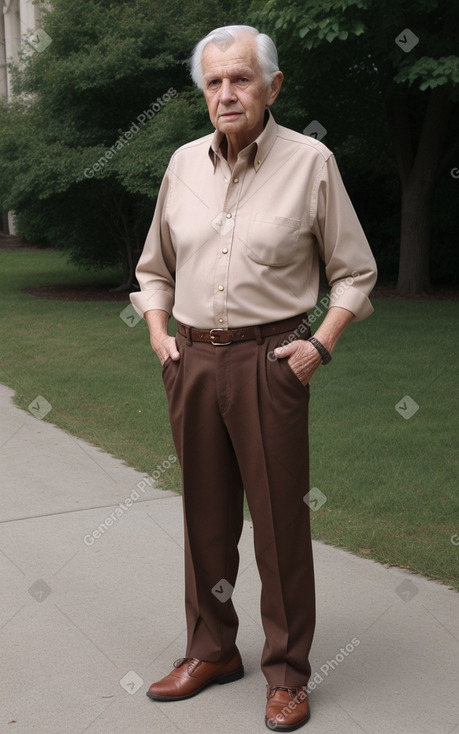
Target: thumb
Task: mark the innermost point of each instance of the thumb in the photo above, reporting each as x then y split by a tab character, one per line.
285	351
171	348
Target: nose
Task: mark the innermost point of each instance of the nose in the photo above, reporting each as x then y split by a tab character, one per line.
226	92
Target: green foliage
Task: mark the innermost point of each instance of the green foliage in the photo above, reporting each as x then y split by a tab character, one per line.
84	146
428	73
141	165
318	22
344	67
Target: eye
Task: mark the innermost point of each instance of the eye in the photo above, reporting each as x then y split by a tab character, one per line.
213	83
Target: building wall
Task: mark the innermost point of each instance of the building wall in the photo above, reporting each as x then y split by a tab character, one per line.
18	20
3	83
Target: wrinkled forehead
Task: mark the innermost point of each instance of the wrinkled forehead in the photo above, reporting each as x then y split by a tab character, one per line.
229	58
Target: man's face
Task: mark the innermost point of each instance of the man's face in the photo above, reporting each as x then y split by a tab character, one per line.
235	90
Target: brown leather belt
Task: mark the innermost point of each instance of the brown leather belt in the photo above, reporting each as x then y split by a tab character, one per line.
223	337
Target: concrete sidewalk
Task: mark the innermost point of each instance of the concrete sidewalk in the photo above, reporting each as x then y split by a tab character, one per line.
88	619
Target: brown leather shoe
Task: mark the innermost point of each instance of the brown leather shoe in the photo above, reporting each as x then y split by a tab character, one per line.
191	675
287	708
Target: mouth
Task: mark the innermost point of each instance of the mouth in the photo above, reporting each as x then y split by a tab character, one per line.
231	115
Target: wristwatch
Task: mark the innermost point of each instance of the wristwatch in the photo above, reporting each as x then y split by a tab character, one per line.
324	353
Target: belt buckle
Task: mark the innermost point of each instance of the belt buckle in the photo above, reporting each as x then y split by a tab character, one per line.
218	344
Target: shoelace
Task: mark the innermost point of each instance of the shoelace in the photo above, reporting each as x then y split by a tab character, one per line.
180	661
292	691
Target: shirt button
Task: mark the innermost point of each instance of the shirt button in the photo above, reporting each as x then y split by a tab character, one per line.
220	321
225	250
228	216
220	288
235	180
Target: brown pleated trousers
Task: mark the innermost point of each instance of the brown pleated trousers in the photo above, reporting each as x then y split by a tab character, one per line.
239	420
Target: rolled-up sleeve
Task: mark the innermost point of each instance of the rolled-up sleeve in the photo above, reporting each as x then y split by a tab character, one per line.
155	271
349	263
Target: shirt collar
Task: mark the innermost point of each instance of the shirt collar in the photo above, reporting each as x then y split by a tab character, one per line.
256	151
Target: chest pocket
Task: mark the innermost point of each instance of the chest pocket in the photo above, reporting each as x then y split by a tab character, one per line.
272	241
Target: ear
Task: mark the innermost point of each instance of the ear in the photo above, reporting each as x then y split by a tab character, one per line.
275	88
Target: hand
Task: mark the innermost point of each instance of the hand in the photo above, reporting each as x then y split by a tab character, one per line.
165	346
303	359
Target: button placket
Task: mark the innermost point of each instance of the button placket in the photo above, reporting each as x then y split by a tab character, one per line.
224	225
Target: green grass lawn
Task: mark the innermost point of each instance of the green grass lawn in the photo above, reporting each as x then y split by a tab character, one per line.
390	482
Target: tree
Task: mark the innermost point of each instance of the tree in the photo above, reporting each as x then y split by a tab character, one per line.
400	57
98	113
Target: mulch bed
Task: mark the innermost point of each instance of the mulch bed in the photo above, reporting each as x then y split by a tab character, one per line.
94	292
11	242
76	293
440	293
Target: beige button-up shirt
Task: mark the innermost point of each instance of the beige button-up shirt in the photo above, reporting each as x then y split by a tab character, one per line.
230	248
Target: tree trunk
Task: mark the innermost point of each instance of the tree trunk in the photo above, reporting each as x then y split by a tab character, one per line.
414	271
126	239
4	224
419	163
128	268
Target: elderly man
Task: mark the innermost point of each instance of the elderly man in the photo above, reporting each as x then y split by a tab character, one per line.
242	217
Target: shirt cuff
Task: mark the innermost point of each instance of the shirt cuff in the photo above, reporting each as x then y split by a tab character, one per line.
152	299
352	299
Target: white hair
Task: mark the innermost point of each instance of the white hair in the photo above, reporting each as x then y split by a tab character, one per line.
266	51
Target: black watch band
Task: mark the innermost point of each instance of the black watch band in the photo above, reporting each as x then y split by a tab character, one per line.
324	353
